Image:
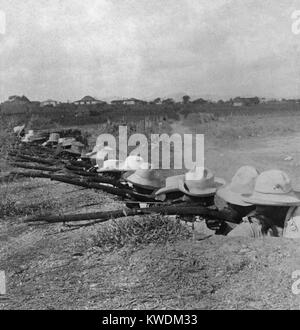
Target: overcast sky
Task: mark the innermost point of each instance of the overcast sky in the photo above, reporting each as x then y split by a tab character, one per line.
65	49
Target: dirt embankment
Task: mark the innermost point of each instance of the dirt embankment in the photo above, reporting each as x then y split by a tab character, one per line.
57	268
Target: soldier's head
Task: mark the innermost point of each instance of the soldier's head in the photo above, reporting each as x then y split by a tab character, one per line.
276	213
272	194
239	211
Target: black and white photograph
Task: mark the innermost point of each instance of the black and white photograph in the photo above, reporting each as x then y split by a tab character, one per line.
149	157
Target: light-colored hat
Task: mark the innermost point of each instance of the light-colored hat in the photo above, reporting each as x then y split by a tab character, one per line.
243	182
28	137
93	152
78	144
171	185
112	165
54	137
76	148
292	223
145	178
101	156
200	181
66	142
98	153
38	137
272	187
19	129
133	163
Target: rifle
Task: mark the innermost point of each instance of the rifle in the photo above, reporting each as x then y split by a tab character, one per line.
108	215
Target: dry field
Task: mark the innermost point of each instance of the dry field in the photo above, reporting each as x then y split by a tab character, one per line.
154	262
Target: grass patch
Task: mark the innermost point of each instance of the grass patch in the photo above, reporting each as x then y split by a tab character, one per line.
234	267
10	207
138	231
25	198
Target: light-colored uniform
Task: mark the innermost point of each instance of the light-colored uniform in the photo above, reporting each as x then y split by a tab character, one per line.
256	226
253	226
292	223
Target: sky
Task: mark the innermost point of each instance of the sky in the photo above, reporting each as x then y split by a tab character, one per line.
66	49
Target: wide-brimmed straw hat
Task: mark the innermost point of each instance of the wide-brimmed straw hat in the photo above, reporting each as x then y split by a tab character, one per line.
171	184
53	137
28	136
112	165
66	142
145	178
200	182
272	187
102	154
31	136
18	129
93	152
76	148
133	162
243	182
97	152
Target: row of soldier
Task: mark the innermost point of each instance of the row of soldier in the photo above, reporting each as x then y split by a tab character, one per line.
261	204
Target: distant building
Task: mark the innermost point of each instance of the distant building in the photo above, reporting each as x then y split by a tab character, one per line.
158	100
293	101
16	98
237	104
200	101
131	101
88	100
35	103
116	102
49	103
265	100
245	101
